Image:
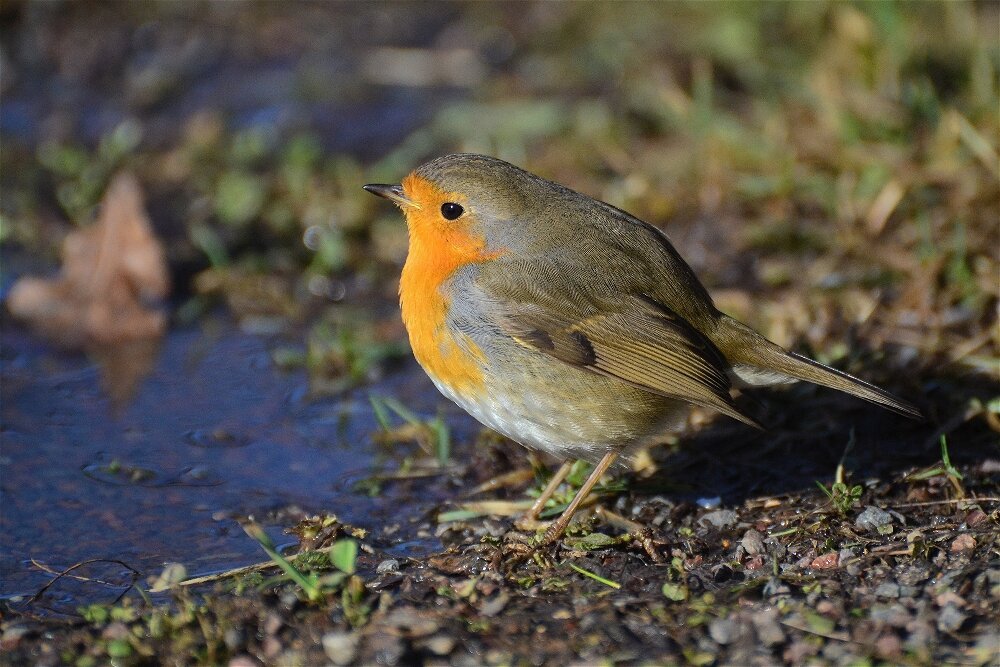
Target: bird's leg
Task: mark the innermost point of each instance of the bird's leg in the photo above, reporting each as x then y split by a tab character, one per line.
556	530
550	488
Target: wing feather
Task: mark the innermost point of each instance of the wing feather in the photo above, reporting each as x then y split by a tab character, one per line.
642	343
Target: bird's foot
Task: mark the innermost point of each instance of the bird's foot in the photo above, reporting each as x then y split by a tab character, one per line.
519	548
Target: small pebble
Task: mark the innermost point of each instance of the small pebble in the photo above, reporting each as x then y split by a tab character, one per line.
723	630
887	590
912	575
990	466
472	660
986	647
950	619
775	548
949	598
270	647
116	630
292	656
872	519
768	630
494	528
441	644
388	565
964	542
11	637
412	621
752	542
387	649
920	634
798	651
340	647
888	646
975	517
272	624
720	518
894	614
826	608
826	561
242	661
494	606
835	652
233	638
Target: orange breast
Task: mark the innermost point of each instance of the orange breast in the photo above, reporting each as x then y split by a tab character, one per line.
438	248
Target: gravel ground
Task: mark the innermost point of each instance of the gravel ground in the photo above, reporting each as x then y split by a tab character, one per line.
828	169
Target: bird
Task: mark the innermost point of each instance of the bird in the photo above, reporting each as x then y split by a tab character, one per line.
569	325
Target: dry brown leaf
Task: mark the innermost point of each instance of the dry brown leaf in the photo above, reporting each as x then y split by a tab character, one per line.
113	272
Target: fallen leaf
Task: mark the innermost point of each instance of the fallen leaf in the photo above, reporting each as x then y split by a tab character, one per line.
105	298
112	273
675	592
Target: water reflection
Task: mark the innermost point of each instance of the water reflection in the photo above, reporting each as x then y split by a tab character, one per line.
214	432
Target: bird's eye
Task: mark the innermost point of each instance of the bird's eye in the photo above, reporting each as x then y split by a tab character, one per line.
451	210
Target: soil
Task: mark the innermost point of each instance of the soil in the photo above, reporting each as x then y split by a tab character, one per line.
830	172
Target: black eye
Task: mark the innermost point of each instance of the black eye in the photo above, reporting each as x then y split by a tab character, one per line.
451	210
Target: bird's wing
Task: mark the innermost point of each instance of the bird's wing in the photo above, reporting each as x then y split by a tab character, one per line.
639	341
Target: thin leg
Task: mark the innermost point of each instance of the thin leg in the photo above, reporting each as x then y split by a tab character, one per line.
556	530
550	488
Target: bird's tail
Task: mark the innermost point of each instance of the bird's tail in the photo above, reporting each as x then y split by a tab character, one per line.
756	360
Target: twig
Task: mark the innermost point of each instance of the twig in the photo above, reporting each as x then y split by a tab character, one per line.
235	572
840	637
963	350
618	521
970	501
507	480
66	573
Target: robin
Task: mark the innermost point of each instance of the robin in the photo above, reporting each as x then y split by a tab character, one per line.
567	324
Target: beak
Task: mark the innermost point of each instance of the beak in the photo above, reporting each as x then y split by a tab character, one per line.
393	193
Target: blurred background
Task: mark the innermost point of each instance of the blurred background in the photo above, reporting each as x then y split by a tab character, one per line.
829	169
811	150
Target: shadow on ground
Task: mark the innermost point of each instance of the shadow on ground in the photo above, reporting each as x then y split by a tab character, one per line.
808	431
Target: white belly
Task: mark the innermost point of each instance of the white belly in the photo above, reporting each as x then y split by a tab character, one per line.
584	427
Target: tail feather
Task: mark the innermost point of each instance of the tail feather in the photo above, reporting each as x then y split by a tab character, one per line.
742	345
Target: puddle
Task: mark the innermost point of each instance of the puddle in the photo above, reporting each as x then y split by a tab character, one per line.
147	459
214	431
